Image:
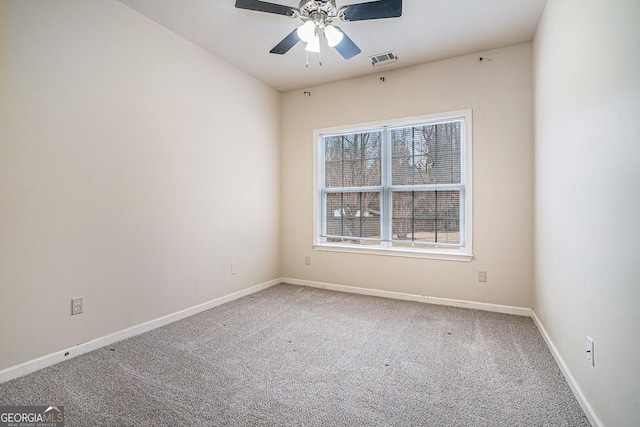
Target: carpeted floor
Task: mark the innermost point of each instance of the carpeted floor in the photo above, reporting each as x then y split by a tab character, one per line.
296	356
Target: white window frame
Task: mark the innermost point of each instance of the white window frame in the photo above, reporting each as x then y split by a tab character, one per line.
464	253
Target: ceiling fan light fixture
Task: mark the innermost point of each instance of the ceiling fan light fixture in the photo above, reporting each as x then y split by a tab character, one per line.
307	31
318	16
313	45
334	36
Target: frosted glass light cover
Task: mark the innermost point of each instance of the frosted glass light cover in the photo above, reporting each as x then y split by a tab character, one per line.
313	45
306	31
333	35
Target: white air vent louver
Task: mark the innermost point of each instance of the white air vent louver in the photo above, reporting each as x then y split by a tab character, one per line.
383	59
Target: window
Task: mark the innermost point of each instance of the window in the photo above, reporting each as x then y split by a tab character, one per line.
400	188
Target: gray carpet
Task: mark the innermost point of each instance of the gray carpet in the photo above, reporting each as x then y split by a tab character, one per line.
296	356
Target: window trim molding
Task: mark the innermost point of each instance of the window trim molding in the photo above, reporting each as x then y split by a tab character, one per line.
465	254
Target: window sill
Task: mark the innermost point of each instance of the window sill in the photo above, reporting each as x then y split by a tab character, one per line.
396	252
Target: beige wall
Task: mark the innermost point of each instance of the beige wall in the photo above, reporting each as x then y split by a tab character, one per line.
115	133
587	108
134	168
499	91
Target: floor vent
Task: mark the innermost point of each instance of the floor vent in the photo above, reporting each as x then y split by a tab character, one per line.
383	59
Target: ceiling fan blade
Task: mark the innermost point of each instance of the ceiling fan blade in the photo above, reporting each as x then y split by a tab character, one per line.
347	47
263	6
373	10
287	43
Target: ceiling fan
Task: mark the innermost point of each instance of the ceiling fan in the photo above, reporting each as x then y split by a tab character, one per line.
317	17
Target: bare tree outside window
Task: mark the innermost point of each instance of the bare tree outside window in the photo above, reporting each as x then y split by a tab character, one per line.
425	155
353	161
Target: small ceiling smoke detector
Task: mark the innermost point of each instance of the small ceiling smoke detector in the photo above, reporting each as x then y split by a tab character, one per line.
383	59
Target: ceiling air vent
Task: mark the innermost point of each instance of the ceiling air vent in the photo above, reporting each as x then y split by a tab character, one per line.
383	59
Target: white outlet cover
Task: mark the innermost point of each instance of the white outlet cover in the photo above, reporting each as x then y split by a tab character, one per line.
76	306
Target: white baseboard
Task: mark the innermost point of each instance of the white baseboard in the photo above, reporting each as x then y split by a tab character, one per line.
496	308
575	388
58	356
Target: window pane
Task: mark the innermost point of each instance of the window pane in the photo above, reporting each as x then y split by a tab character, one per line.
442	142
401	162
333	148
333	174
428	154
426	217
353	160
353	218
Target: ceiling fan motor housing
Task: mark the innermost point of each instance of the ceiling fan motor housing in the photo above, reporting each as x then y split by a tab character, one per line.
308	8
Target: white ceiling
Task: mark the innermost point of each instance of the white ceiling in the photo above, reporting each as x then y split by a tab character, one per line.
428	30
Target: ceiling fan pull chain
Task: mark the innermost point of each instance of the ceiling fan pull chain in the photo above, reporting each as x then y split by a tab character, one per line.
307	64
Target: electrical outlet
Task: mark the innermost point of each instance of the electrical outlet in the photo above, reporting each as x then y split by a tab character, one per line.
234	268
76	306
307	260
482	276
590	351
